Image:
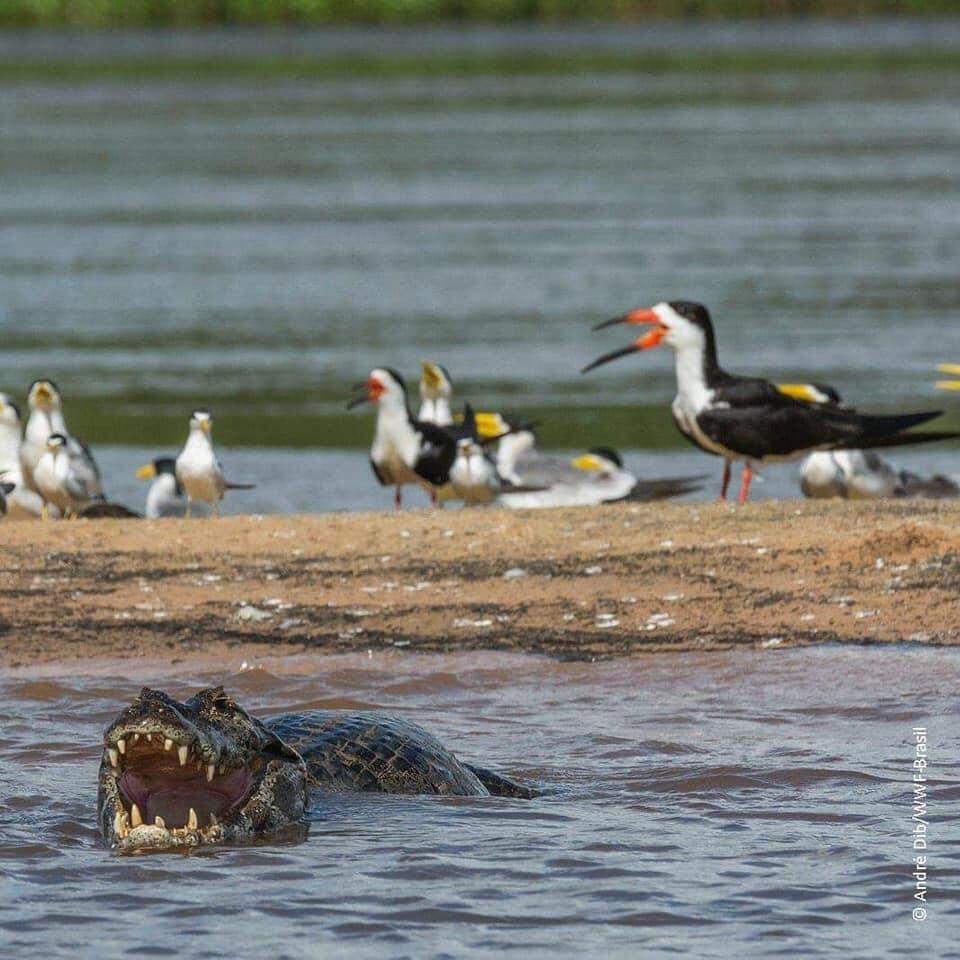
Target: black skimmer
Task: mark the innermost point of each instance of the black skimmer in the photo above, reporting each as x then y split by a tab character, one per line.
197	468
436	389
747	418
538	480
405	450
46	418
22	502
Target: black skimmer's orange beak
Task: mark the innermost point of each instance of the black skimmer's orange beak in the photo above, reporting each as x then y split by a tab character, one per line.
371	391
647	342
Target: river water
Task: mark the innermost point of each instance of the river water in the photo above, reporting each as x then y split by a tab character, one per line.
706	806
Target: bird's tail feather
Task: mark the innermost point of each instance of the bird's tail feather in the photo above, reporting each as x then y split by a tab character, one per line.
884	425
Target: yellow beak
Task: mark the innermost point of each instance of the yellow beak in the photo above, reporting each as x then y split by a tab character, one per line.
490	425
147	472
802	391
954	370
433	378
586	461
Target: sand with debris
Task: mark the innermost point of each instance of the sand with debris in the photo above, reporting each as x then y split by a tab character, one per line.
581	583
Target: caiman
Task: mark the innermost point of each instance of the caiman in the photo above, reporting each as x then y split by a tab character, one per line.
178	775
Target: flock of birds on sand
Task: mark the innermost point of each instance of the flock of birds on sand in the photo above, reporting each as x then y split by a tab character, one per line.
484	458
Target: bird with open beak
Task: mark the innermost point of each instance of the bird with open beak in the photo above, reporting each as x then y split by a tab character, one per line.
748	418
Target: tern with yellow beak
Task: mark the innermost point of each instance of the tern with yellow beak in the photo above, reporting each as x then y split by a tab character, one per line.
747	418
46	418
436	390
197	469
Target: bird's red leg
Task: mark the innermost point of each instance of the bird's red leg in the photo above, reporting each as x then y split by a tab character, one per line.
745	485
398	498
726	480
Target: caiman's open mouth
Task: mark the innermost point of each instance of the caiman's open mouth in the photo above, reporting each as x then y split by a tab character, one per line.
179	788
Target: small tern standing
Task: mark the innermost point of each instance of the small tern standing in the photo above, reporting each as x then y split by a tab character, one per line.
746	418
197	468
63	479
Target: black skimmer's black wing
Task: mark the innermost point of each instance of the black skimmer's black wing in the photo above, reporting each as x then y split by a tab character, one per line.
438	451
783	428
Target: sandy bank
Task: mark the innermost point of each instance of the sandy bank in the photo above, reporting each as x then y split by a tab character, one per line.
573	583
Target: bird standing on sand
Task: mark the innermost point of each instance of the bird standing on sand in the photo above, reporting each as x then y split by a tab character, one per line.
22	502
405	450
746	418
436	389
63	478
46	418
197	468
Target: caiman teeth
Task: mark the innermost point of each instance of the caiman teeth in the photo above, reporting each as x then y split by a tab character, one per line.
168	744
136	737
149	737
210	771
213	819
118	822
135	817
192	821
122	746
182	753
158	821
114	756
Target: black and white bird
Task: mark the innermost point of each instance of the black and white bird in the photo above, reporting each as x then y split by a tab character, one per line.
598	476
63	479
405	450
22	502
436	391
165	497
747	418
197	468
46	418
